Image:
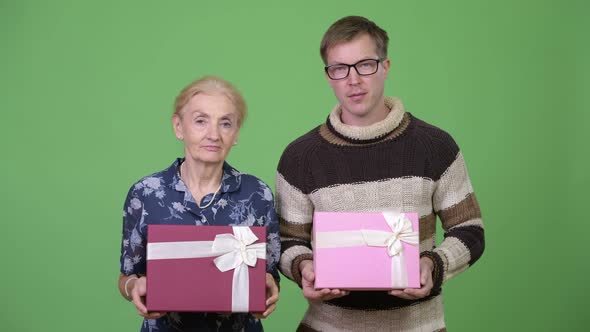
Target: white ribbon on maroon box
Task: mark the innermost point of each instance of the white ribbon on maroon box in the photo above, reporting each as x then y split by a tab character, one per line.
401	231
233	251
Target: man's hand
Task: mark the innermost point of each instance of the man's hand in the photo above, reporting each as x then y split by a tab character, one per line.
272	297
307	283
138	292
426	267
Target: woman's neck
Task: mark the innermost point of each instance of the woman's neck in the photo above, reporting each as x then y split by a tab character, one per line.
201	178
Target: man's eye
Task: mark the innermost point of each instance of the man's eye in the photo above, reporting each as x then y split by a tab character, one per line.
339	69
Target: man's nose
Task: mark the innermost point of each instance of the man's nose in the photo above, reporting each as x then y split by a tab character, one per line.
353	76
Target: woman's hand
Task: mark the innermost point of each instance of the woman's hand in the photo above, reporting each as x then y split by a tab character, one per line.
272	297
138	291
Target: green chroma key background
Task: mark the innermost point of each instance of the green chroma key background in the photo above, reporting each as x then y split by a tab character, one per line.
86	89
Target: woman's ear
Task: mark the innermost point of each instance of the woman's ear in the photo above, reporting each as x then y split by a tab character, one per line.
236	138
177	126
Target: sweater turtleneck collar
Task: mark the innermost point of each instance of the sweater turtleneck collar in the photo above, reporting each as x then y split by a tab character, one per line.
371	133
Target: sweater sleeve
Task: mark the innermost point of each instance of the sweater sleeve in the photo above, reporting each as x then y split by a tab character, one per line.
295	212
455	204
457	207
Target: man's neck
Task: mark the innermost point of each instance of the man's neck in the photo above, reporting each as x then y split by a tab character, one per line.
364	121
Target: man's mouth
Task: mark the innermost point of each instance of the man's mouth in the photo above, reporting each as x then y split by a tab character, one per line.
357	96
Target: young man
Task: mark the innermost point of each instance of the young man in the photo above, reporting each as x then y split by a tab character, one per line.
371	155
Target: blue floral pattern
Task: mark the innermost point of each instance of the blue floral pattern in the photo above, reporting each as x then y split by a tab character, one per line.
162	198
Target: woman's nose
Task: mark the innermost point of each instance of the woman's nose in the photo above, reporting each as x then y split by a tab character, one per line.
213	132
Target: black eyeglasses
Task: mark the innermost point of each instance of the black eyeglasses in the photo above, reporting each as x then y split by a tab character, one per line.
364	68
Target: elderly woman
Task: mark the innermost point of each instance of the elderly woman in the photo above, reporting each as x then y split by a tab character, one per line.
199	189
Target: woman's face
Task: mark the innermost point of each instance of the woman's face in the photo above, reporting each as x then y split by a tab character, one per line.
208	126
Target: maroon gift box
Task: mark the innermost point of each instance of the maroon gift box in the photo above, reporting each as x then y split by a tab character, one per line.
196	284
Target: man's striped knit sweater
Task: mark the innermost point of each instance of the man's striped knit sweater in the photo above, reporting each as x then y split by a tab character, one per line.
400	163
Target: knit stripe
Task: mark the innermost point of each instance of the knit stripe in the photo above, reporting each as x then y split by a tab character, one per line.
427	227
298	231
422	316
454	185
461	212
368	134
290	251
471	236
457	257
409	194
438	269
295	267
473	222
427	244
333	138
292	205
304	328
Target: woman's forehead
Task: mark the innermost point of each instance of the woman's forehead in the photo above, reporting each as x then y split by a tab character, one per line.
211	104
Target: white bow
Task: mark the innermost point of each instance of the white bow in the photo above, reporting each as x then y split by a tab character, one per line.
239	254
401	230
238	249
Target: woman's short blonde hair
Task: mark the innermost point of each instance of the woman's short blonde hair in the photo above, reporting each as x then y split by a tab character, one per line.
212	85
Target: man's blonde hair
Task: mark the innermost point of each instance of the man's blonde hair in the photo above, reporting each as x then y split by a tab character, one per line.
349	28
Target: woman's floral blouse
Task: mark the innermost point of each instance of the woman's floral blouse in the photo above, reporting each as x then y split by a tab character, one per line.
162	198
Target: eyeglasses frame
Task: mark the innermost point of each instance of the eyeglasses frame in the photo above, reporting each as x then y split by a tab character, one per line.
326	68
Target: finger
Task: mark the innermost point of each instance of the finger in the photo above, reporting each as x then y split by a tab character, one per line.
274	292
154	315
339	292
325	291
269	310
313	295
273	299
401	294
139	304
333	294
416	293
423	277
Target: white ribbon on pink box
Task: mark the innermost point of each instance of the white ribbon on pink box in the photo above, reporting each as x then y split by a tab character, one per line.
401	230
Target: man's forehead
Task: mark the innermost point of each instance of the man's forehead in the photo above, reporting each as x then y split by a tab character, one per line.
356	49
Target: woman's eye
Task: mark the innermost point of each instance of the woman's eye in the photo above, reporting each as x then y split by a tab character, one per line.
226	124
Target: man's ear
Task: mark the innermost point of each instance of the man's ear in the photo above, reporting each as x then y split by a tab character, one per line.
386	66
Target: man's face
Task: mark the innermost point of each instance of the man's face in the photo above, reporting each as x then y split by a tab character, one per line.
361	97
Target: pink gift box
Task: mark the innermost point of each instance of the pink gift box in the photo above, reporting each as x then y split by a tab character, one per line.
343	258
179	280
